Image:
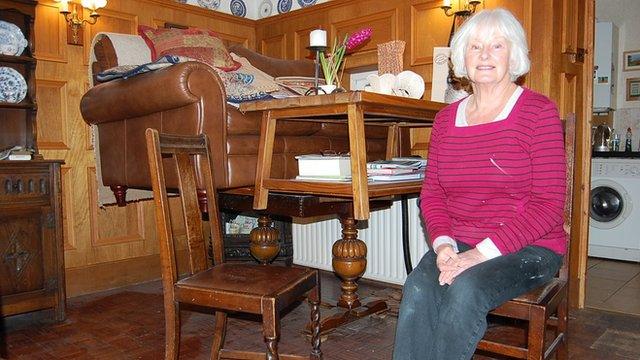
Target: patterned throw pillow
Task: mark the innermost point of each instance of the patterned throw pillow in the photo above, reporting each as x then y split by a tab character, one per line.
198	44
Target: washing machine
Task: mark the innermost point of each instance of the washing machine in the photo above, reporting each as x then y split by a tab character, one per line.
614	224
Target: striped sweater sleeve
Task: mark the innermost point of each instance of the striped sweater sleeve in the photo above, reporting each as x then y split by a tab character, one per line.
544	211
432	196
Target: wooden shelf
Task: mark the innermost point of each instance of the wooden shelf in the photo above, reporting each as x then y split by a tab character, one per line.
342	189
21	105
17	59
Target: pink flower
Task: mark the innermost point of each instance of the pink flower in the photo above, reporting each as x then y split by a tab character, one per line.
358	38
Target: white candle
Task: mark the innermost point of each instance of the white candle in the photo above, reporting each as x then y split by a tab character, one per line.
446	3
318	38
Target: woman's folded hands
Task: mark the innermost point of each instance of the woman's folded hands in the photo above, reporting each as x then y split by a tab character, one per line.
451	264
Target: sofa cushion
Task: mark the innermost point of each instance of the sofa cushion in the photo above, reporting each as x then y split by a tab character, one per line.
261	80
198	44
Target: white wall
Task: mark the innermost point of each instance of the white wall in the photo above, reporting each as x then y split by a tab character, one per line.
252	6
625	14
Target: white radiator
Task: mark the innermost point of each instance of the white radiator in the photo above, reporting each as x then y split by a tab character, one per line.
385	262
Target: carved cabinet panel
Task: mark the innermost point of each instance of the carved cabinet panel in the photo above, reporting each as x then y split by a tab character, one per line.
31	252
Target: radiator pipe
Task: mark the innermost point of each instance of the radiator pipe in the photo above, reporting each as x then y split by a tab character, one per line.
405	234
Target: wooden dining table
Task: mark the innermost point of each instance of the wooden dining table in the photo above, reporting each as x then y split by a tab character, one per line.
355	108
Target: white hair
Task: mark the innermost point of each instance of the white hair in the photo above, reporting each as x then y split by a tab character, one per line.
488	24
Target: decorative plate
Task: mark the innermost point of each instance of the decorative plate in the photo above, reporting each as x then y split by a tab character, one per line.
12	41
305	3
238	8
265	9
209	4
13	88
284	6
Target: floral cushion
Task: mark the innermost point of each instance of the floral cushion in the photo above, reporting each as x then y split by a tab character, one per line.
240	88
198	44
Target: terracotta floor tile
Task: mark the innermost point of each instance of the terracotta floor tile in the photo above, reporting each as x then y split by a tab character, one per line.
114	325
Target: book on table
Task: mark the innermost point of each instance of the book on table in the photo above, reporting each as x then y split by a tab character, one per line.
406	163
396	169
324	178
321	166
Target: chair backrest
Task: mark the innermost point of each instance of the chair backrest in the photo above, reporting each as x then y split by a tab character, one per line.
183	152
569	150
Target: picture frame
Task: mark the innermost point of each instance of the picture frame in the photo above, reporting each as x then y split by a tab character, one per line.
631	60
633	89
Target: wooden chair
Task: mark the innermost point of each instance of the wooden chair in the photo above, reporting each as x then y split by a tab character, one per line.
546	306
226	287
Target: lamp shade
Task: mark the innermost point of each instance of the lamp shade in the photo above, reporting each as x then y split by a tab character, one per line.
94	4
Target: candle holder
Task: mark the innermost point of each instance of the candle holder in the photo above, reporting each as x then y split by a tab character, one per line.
315	90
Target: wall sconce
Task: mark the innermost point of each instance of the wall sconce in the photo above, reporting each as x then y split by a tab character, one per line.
467	8
465	11
73	19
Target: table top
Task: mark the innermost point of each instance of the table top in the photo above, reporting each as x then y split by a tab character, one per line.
375	106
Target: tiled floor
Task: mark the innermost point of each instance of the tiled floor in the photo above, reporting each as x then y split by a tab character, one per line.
127	323
613	285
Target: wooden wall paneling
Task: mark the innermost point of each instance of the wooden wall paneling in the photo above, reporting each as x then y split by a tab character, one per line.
301	42
68	220
541	48
275	46
50	33
385	28
113	225
429	28
52	114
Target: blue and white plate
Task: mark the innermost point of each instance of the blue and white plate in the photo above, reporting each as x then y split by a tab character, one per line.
238	8
305	3
12	41
284	6
209	4
265	9
13	88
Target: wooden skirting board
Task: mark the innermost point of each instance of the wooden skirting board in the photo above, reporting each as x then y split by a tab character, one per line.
115	274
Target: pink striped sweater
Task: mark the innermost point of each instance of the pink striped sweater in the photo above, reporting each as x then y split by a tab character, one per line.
504	180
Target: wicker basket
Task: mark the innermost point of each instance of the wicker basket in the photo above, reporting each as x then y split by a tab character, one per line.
390	56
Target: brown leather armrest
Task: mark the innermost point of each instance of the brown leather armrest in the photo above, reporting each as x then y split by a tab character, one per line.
149	93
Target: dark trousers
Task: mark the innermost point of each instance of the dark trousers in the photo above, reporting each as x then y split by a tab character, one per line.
447	322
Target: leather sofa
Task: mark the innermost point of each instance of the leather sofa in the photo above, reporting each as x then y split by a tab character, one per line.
189	98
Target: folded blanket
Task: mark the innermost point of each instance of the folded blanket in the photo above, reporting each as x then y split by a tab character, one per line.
127	71
239	86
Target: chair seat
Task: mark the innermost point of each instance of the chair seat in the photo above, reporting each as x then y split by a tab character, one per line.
242	287
538	295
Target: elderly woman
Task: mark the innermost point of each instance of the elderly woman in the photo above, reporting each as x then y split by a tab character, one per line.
492	198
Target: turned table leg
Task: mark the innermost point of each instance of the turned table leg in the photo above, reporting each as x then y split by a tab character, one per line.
264	241
349	263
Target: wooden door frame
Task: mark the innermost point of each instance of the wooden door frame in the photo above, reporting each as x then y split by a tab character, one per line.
582	180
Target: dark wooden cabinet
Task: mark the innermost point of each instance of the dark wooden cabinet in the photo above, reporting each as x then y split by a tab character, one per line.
31	242
18	120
